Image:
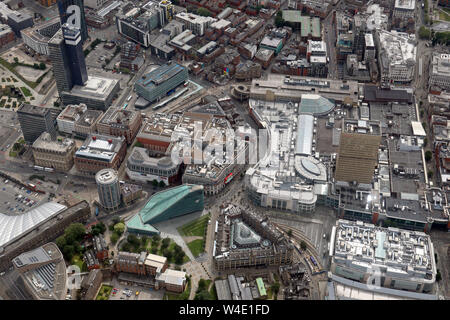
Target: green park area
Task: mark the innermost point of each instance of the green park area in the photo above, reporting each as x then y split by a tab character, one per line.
196	247
12	67
104	292
444	14
163	247
206	290
195	228
77	260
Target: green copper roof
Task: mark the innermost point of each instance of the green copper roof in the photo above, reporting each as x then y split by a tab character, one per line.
315	104
167	204
136	225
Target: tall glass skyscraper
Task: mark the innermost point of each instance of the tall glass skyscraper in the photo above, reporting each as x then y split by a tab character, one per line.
74	49
60	60
72	15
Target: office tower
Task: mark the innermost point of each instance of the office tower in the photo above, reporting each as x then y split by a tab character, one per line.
34	121
108	188
73	16
66	54
74	49
61	64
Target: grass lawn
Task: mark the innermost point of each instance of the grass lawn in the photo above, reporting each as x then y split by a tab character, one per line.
195	228
78	260
12	154
26	92
104	292
196	247
213	292
171	248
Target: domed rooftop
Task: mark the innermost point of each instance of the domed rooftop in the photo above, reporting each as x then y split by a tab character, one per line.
315	104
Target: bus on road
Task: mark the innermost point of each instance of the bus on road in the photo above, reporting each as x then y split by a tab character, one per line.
129	98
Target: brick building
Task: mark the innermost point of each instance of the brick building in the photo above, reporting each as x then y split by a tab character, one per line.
100	152
118	122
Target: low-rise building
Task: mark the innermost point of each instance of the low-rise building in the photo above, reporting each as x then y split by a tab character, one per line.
100	247
172	280
404	258
100	152
130	193
440	71
130	262
87	123
67	118
264	57
246	239
91	283
119	122
91	260
155	264
56	154
404	9
130	58
197	24
156	84
144	168
396	57
6	34
151	269
272	43
248	70
97	93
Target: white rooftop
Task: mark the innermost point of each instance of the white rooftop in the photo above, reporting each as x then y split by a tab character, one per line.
405	4
404	254
399	48
95	86
12	227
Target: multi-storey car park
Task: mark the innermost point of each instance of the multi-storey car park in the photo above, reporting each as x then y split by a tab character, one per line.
243	239
402	260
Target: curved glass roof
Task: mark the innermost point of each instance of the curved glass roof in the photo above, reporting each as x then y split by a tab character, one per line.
310	166
167	204
12	227
315	104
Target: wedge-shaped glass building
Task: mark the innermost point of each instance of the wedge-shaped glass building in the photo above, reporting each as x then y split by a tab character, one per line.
167	204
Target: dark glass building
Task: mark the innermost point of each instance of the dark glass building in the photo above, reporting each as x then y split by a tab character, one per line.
76	59
63	5
61	64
